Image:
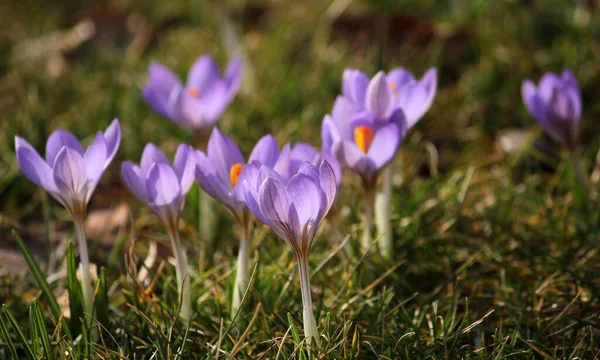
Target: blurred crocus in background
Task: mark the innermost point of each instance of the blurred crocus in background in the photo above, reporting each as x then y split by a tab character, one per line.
162	187
364	132
198	104
294	209
221	173
556	106
71	175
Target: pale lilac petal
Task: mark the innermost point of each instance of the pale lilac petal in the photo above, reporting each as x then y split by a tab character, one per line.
415	98
328	183
329	134
210	182
354	87
309	170
162	185
378	100
278	210
233	76
385	144
548	82
266	151
94	160
252	201
265	172
203	74
135	181
164	100
70	176
249	174
160	74
536	106
307	196
282	166
33	166
151	155
112	136
341	114
351	157
570	80
184	165
59	139
223	153
398	77
300	154
335	165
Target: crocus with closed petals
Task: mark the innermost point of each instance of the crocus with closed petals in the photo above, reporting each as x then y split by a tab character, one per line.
556	105
162	187
70	175
294	209
221	173
199	103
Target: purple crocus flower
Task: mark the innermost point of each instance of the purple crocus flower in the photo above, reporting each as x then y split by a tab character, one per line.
70	175
199	103
294	209
556	105
294	156
163	187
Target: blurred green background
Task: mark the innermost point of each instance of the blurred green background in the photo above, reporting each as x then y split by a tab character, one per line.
79	64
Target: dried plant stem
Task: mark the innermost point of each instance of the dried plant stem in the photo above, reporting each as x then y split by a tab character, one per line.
310	325
382	214
580	175
367	238
183	279
84	264
242	275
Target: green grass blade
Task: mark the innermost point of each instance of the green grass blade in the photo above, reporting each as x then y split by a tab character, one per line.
41	281
102	298
33	333
17	330
42	330
75	294
7	339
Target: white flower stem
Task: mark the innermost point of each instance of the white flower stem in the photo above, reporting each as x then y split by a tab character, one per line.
183	278
84	266
241	276
382	214
580	175
310	325
367	238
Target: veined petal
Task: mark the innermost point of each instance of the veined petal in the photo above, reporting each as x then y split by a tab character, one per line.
152	154
33	166
278	210
265	172
210	182
94	159
223	153
335	165
282	166
112	136
415	98
135	181
70	176
202	74
162	185
354	87
252	201
184	165
341	114
310	203
378	100
266	151
328	183
59	139
249	174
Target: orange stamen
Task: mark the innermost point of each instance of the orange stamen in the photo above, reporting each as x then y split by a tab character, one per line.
394	88
363	137
234	173
194	92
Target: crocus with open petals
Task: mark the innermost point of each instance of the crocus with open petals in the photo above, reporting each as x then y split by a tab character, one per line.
199	103
70	175
221	173
162	187
294	209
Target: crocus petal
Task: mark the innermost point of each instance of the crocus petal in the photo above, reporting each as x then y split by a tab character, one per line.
546	86
335	165
351	157
328	183
265	172
415	98
223	153
329	133
309	169
379	97
233	76
536	106
59	139
570	80
248	174
135	181
163	100
184	165
202	74
282	165
354	87
252	201
266	151
33	166
310	203
70	176
112	136
160	74
94	159
385	145
278	210
300	154
398	77
162	185
210	182
152	154
343	110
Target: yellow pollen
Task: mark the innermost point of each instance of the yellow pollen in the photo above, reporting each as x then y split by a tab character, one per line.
234	173
363	137
194	92
392	86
